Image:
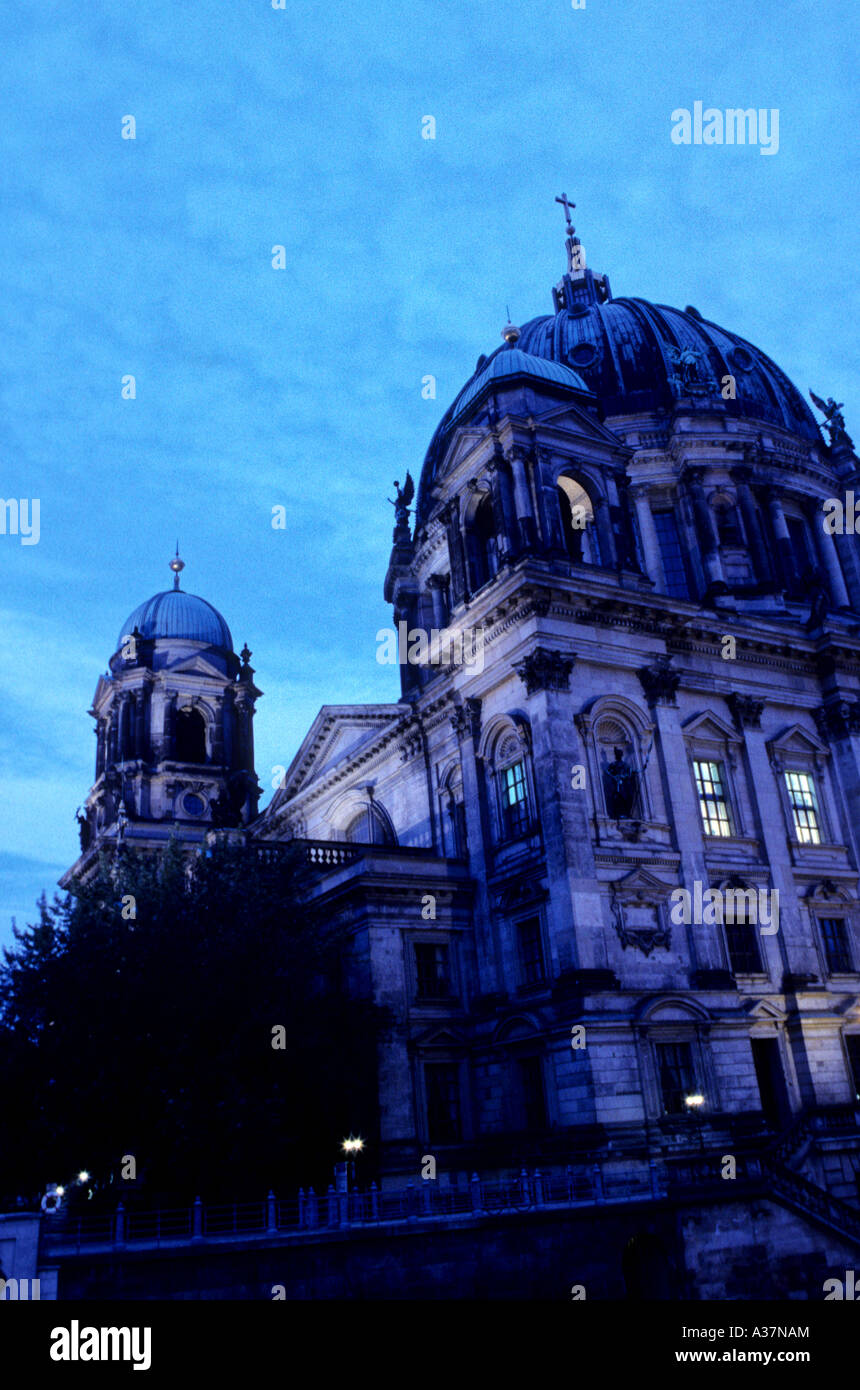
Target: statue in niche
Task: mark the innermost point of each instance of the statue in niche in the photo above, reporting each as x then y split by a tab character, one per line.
621	787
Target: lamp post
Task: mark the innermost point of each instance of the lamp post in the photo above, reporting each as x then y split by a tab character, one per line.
694	1102
351	1147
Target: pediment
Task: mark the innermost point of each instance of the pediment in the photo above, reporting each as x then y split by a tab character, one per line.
796	739
766	1011
195	665
673	1009
464	443
577	422
338	735
708	727
640	882
440	1037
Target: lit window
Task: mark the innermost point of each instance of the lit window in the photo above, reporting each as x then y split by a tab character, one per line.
804	807
515	799
834	934
712	798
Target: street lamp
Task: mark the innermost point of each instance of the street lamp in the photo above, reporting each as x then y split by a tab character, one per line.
351	1147
694	1103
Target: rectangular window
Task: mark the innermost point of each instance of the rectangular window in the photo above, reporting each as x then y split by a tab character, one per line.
675	1065
442	1082
804	807
834	934
532	1097
712	798
515	799
433	974
852	1043
531	951
771	1081
674	570
801	555
742	941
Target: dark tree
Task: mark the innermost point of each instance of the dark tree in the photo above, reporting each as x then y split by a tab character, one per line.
137	1018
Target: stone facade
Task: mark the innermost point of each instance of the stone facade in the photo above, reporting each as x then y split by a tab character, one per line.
651	683
657	602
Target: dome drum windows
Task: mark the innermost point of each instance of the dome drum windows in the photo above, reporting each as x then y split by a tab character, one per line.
579	531
189	740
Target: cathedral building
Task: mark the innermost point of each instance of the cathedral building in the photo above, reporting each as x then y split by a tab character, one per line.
605	877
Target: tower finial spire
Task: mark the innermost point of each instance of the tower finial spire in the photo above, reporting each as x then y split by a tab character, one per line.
177	566
575	254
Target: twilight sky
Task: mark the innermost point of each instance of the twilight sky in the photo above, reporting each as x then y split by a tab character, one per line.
301	387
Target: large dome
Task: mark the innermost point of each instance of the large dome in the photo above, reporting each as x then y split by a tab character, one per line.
626	352
179	615
623	348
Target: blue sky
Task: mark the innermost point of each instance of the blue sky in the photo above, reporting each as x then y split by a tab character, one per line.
302	387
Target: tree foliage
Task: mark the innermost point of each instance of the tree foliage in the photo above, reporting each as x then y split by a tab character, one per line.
137	1018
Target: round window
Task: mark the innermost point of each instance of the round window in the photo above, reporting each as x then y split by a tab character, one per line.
583	354
194	805
742	359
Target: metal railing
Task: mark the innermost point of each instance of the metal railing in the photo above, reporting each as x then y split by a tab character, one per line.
427	1200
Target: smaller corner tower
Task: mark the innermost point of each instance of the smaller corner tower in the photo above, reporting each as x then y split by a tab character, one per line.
174	731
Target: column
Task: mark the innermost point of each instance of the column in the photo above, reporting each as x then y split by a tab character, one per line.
846	549
522	499
784	554
756	544
660	682
605	534
100	747
830	560
547	498
706	532
648	537
466	722
435	584
456	554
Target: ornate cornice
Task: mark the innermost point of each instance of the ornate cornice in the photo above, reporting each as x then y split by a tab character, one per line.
545	670
746	712
838	719
466	719
659	681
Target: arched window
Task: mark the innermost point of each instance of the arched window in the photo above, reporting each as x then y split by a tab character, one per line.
369	827
190	736
512	786
577	522
482	545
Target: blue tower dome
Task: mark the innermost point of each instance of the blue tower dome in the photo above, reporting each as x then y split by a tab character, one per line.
176	614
